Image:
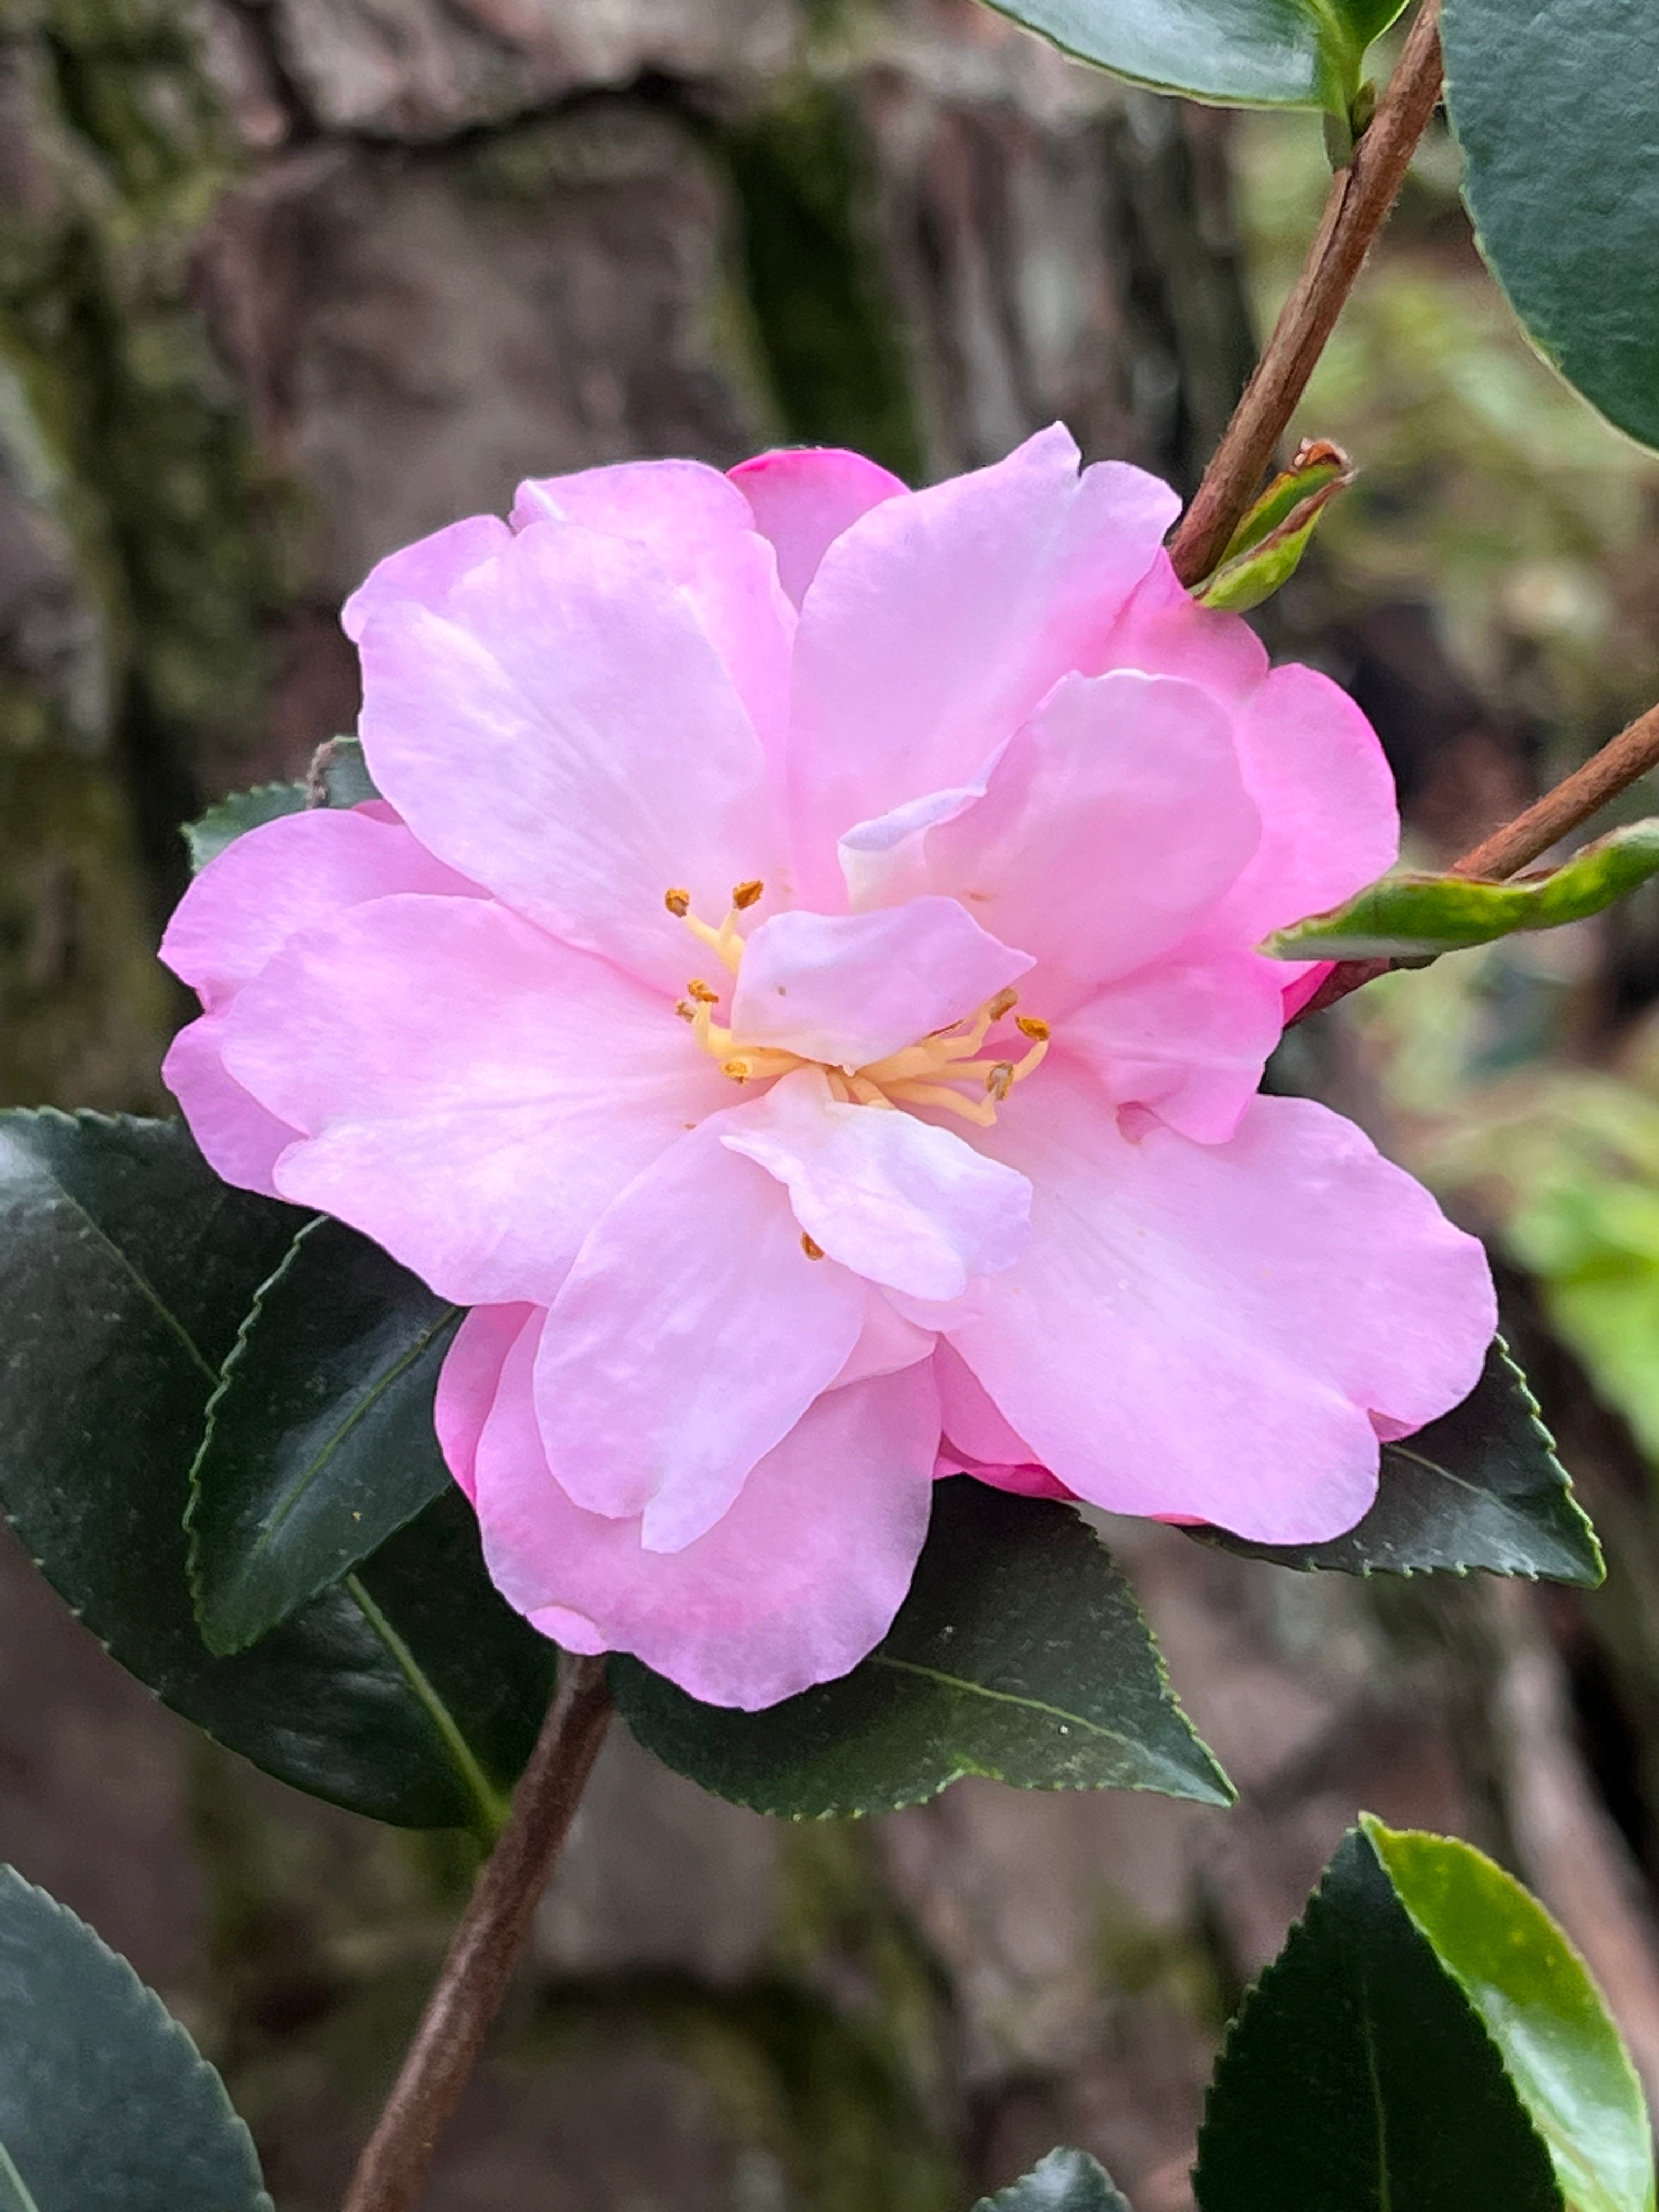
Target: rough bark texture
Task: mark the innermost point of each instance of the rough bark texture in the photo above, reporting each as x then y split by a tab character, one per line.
283	285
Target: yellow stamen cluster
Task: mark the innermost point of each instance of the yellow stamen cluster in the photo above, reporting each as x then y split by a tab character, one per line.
922	1074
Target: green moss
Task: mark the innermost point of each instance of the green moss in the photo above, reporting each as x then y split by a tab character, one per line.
829	334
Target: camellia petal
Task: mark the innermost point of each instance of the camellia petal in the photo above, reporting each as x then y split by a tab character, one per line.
699	530
691	1335
803	499
848	989
525	736
469	1379
901	1203
1108	825
239	1138
1188	1039
794	1585
1206	1330
938	622
287	876
477	1124
425	573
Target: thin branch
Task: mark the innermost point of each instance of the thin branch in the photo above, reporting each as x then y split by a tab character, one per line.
393	2170
1584	793
1360	199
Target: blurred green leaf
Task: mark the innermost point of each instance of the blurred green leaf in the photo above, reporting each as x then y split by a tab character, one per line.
319	1442
1065	2181
1553	106
1020	1653
1272	53
1358	2076
1480	1489
104	2104
1537	2003
344	778
410	1692
1409	917
1266	551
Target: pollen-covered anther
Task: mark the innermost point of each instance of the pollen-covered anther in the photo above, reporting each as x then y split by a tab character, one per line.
1029	1025
678	903
748	894
1004	1003
813	1250
1000	1079
685	1010
704	994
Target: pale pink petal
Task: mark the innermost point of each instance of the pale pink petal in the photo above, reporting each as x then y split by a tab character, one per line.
239	1139
1206	1330
474	1093
1022	1479
287	876
699	529
1330	825
424	571
468	1382
1188	1039
900	1202
1109	825
794	1585
1163	631
691	1335
566	735
938	622
803	499
972	1423
886	1343
851	988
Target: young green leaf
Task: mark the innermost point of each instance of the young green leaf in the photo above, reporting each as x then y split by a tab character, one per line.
1480	1489
1020	1653
320	1441
1266	551
344	779
1552	106
1537	2003
1416	917
410	1691
106	2104
1065	2181
1358	2076
1247	53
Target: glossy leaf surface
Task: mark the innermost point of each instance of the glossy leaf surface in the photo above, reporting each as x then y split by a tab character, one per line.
1553	106
1286	53
106	2104
1020	1653
1358	2076
1538	2005
1480	1488
319	1442
410	1692
1416	917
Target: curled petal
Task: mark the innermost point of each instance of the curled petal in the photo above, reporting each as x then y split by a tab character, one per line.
1188	1039
803	499
468	1382
691	1335
425	573
793	1585
239	1138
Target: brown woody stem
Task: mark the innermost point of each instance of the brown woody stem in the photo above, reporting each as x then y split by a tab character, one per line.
1584	793
392	2170
1360	199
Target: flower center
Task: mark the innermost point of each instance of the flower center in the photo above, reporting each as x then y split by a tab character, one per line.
951	1068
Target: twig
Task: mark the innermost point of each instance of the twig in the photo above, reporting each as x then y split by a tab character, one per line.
1587	789
1358	205
392	2170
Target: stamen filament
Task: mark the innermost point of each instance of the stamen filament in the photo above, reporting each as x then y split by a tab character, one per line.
980	1111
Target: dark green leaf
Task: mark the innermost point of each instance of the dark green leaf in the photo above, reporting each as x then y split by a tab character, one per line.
1020	1653
1358	2077
104	2104
320	1441
1480	1488
1411	917
411	1691
1273	53
1065	2181
339	769
1553	105
1266	551
1538	2003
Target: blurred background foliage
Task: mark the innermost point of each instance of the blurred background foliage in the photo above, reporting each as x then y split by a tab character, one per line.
284	283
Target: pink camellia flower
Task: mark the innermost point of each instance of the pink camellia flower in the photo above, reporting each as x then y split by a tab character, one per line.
800	991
